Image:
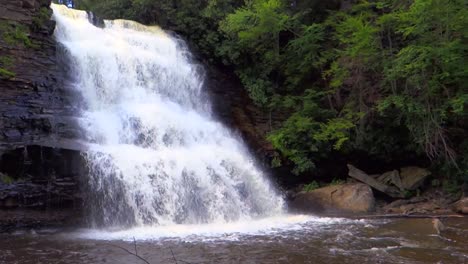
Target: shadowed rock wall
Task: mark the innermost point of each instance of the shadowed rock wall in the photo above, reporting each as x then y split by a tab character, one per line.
40	161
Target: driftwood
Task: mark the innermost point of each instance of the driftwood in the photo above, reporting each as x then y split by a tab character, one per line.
365	178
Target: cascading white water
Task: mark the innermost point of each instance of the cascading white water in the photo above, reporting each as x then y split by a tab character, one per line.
156	155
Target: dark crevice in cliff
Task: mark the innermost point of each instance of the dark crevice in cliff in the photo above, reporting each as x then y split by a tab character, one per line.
40	177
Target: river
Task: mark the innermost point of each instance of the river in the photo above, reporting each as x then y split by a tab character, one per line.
288	239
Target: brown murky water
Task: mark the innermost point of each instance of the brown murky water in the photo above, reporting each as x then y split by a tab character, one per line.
311	240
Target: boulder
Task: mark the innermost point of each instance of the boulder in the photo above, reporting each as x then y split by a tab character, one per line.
354	198
461	206
413	177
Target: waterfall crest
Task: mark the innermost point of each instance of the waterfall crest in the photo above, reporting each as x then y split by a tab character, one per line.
156	155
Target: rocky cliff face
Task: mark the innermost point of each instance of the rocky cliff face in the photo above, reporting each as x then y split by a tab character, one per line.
39	153
35	106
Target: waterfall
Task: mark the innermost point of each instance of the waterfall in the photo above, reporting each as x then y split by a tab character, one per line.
156	155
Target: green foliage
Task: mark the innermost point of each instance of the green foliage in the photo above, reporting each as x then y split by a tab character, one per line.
254	29
298	139
337	182
311	186
257	24
334	130
302	55
14	34
6	74
431	67
6	62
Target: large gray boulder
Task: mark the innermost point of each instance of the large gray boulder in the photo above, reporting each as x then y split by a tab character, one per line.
351	198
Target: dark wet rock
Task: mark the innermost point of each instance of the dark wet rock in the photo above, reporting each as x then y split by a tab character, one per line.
95	20
35	105
40	177
12	220
431	202
354	198
40	160
28	4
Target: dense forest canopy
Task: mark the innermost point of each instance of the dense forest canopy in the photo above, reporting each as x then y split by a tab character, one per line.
384	77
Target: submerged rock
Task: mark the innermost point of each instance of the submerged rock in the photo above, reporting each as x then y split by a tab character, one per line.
355	198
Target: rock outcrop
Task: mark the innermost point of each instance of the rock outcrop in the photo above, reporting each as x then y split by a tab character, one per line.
35	106
352	198
40	159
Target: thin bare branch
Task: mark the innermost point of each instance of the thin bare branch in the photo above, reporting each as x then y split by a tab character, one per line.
173	256
131	253
135	245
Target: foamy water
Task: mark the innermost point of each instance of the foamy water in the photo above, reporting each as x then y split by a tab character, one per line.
270	226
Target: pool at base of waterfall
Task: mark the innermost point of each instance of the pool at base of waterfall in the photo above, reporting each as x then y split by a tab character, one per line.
282	239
